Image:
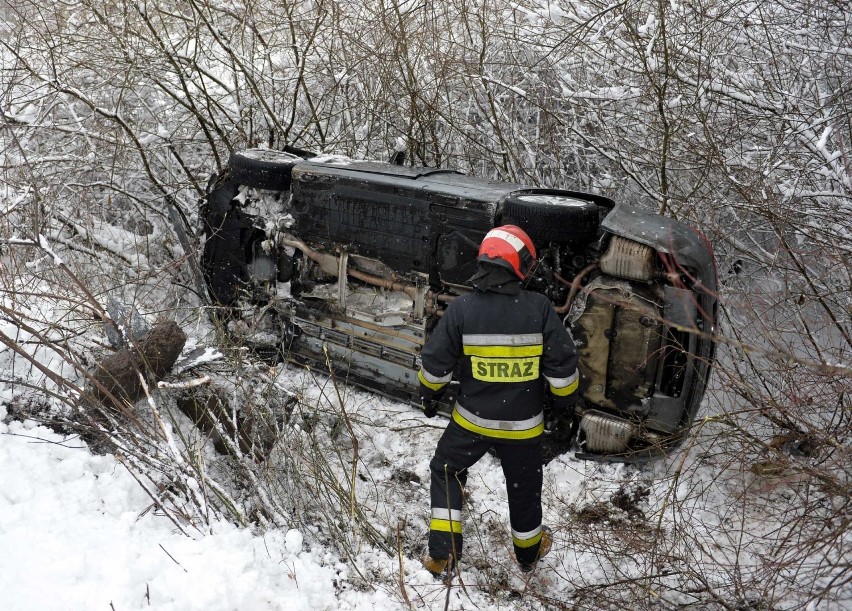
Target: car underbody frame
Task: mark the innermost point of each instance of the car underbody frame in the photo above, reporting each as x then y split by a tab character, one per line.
348	265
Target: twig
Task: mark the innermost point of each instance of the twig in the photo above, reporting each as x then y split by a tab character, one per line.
349	428
172	557
402	590
153	498
188	384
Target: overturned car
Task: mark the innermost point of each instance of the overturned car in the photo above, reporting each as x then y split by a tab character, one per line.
333	262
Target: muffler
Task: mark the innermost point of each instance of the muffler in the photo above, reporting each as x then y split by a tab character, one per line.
601	432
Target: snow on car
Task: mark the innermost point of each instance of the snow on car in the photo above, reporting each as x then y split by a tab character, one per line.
328	261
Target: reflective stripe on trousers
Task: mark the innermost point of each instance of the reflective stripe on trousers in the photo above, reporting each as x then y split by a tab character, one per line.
526	539
446	520
499	429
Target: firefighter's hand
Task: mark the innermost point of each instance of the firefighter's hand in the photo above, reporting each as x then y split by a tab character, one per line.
430	406
564	425
565	404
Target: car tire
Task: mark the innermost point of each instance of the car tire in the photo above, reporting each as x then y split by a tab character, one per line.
553	216
263	168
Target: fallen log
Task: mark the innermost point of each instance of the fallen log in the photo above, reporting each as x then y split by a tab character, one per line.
153	355
208	410
115	383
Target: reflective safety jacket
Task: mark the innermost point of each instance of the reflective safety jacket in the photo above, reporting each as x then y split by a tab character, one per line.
504	349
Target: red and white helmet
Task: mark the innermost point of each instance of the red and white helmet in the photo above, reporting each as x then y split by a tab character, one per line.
511	247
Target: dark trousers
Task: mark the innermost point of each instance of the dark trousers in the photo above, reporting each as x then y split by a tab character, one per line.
458	449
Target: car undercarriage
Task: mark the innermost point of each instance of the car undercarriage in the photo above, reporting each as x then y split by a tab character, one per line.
348	265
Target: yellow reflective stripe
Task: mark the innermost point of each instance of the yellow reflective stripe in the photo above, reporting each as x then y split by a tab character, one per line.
447	526
428	384
499	433
565	390
431	377
527	542
504	351
562	387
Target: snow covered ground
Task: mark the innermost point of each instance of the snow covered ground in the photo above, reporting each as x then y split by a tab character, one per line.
78	532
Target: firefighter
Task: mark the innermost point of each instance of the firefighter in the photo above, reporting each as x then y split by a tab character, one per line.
505	344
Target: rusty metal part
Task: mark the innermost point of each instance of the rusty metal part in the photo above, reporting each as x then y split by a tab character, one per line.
330	264
575	287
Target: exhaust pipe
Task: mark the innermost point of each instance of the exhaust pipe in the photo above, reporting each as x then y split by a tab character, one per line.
331	265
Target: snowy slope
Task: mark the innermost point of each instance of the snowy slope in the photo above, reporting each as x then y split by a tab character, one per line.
78	532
